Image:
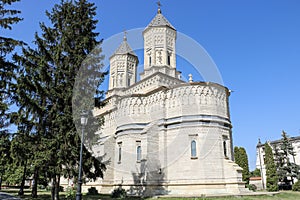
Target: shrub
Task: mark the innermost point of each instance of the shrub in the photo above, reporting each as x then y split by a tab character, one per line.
92	191
296	186
252	187
119	193
41	187
70	193
48	188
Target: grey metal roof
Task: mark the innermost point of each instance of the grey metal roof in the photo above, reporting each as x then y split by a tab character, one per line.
160	20
124	48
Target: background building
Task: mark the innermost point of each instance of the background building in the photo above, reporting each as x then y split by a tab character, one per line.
260	154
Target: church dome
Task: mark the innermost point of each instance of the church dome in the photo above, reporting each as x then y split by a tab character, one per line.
160	20
124	48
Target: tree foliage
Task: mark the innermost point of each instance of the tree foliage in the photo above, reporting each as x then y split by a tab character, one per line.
271	175
5	158
45	93
7	77
255	173
7	68
241	158
287	169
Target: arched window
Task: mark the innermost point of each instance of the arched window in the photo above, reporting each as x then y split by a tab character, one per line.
128	82
193	149
138	153
120	152
149	60
169	59
225	148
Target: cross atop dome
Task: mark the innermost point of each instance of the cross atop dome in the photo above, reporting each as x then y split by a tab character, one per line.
125	35
159	19
159	5
124	48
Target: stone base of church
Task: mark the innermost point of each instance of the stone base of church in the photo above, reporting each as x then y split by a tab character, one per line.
200	189
207	189
209	185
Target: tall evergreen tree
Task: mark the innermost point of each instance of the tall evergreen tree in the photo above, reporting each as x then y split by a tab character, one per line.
287	169
21	154
7	71
241	158
272	178
46	89
236	152
255	173
5	158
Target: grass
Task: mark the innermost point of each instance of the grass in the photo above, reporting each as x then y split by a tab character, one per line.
45	195
284	195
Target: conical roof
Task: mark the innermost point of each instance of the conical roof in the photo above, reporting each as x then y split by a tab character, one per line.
124	48
160	20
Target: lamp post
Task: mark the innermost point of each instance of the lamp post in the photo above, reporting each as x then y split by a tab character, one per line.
83	121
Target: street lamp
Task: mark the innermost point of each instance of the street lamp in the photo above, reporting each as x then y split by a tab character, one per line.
83	121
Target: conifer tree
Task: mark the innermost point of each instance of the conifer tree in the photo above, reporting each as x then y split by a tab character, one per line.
20	153
255	173
272	178
46	90
287	169
7	70
5	158
241	158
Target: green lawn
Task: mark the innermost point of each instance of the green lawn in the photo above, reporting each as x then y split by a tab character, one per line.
44	195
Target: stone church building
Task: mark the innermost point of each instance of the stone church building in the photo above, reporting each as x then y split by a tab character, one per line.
162	135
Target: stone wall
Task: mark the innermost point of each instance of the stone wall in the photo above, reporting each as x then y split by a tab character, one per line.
164	122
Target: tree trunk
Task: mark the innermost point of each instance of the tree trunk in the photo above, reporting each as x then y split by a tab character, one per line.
53	188
0	182
21	191
35	182
57	187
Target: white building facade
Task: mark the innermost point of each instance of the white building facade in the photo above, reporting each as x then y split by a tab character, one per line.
260	155
162	135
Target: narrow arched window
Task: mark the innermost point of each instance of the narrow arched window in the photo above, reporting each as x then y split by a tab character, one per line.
120	152
149	60
128	82
138	153
169	59
225	148
193	149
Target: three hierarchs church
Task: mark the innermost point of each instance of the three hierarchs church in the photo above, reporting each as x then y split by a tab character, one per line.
162	135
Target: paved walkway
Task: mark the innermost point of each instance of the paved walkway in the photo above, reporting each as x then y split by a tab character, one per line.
5	196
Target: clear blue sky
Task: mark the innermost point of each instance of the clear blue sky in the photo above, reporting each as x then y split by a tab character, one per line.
254	43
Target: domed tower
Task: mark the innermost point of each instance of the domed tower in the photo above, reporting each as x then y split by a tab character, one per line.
123	67
159	47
